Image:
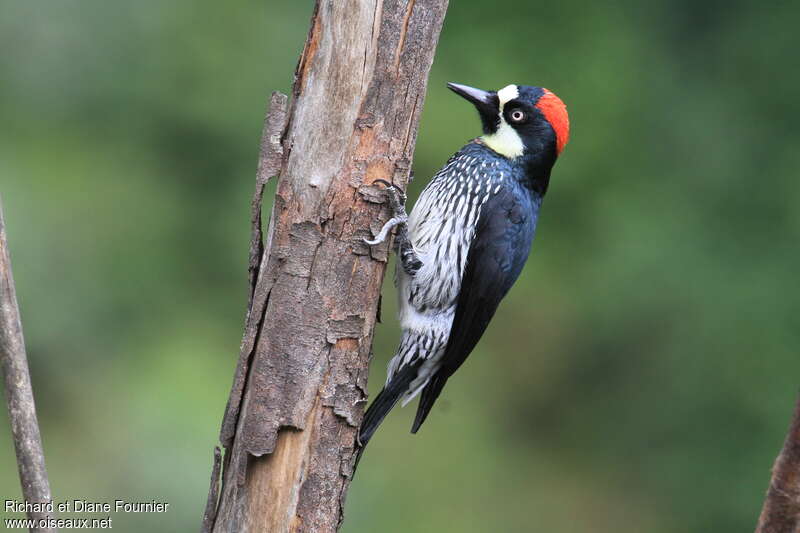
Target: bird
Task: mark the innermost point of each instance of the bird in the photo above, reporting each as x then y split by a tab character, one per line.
466	241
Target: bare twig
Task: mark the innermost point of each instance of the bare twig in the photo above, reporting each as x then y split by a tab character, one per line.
19	394
781	512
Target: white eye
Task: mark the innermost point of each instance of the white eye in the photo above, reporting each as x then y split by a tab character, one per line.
517	115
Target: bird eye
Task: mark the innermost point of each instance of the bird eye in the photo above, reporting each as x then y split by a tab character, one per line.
517	115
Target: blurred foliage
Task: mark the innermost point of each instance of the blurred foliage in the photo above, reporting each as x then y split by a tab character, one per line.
639	376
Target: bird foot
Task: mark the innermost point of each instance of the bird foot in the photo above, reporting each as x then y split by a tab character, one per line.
397	203
389	226
397	199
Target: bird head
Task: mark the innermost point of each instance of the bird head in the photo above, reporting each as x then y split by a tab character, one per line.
520	120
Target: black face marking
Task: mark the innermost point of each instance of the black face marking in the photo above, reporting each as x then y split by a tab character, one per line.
536	133
489	114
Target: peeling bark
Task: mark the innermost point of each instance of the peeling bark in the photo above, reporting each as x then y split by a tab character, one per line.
300	385
213	493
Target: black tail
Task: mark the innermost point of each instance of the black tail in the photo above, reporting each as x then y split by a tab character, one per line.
429	395
382	404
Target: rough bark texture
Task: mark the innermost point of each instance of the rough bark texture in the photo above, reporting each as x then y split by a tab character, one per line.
19	393
300	386
213	493
781	511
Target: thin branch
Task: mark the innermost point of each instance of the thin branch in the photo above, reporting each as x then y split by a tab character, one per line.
781	512
19	393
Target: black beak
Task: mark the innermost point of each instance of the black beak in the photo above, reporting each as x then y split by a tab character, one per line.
486	102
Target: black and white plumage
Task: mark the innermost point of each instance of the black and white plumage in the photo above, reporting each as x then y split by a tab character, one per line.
466	242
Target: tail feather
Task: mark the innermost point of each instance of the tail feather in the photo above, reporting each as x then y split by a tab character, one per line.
382	404
429	395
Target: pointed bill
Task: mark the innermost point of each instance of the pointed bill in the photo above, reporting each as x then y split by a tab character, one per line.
476	96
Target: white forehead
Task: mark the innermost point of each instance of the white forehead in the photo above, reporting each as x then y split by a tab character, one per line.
507	93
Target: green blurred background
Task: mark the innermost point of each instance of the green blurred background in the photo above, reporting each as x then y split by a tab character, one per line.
638	378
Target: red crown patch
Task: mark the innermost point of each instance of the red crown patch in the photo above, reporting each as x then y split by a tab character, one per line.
555	112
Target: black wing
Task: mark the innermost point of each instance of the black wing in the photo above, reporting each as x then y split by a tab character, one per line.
496	256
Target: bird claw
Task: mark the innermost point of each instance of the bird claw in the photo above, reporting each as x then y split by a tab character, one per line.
397	202
383	182
397	197
381	236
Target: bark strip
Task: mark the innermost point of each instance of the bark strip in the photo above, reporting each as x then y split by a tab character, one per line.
19	392
269	164
213	493
300	384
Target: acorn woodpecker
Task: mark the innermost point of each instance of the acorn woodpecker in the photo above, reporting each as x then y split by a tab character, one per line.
466	241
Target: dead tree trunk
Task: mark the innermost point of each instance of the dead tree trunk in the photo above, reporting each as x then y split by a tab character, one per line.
19	395
781	511
301	383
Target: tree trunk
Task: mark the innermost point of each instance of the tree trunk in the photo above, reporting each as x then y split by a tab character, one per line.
301	382
781	511
19	395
